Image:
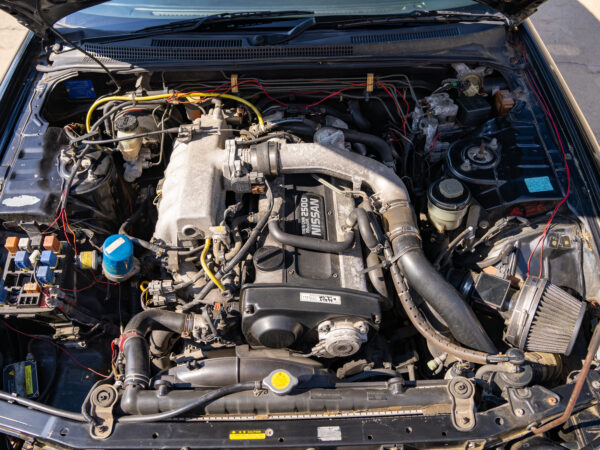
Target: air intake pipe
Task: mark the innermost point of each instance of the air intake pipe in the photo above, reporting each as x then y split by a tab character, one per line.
390	193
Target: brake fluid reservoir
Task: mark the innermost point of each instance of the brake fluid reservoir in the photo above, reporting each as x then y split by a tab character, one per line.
447	203
127	125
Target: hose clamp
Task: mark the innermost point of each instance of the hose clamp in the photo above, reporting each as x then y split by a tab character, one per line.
126	336
404	230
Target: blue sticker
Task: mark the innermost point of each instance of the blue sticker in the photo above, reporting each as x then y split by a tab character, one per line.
80	89
538	184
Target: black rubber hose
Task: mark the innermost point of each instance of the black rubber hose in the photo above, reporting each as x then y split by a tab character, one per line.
375	143
145	321
360	216
357	116
300	129
440	295
135	347
310	243
359	148
193	404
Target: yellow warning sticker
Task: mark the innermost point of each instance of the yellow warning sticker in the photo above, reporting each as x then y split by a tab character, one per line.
241	435
28	380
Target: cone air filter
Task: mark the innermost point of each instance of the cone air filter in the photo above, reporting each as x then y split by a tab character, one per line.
544	318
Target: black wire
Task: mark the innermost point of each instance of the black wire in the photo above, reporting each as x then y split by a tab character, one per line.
74	45
67	186
193	404
133	136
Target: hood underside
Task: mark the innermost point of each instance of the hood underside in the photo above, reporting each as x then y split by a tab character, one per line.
37	15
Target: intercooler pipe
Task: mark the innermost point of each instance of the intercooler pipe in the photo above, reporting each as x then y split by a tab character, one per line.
135	348
375	143
399	222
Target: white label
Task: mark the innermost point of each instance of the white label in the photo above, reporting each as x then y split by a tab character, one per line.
114	245
320	298
329	433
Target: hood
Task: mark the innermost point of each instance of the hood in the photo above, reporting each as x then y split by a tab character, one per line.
516	10
27	12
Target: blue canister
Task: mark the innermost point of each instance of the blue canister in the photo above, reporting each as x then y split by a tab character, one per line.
117	252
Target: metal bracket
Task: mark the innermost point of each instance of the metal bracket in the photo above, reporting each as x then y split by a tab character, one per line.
370	82
234	83
102	402
462	393
531	401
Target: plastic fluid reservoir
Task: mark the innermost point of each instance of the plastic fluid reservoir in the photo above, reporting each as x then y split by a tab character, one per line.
127	125
118	263
447	203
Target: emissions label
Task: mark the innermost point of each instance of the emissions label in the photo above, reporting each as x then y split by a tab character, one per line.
312	217
320	298
242	435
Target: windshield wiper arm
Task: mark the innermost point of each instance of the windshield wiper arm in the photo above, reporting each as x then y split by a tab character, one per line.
280	38
199	23
424	16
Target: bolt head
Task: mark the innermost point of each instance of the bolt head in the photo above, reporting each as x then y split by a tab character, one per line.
552	400
461	388
596	384
519	412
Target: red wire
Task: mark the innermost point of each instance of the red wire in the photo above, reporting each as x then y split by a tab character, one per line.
432	146
72	232
61	348
78	290
103	282
542	238
53	223
335	93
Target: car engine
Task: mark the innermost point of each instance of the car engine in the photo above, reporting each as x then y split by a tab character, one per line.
196	237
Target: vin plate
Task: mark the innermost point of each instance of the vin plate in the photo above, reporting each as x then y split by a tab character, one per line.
320	298
312	217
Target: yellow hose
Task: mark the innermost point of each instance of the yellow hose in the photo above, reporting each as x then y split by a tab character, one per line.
205	266
149	98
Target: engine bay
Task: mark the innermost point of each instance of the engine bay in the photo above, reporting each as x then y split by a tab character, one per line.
180	246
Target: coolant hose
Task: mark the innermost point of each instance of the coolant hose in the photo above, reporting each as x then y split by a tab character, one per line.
310	243
440	294
134	346
192	404
360	216
375	143
357	116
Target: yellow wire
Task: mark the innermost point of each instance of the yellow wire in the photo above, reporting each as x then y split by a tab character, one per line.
149	98
205	266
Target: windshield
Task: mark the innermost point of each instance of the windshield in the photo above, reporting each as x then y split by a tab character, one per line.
131	15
